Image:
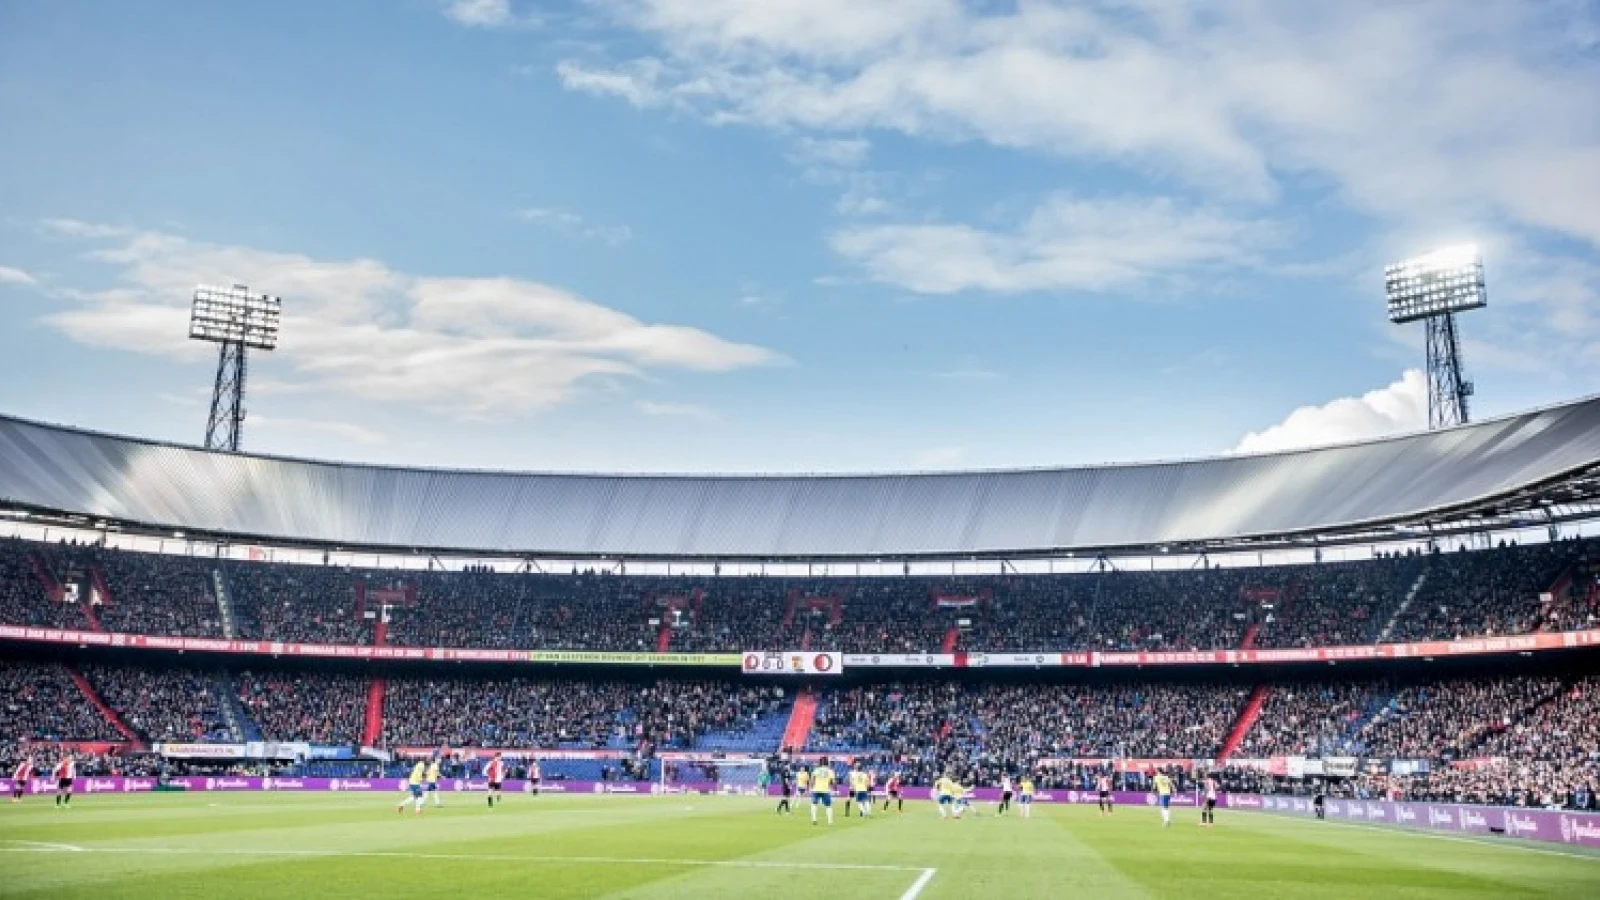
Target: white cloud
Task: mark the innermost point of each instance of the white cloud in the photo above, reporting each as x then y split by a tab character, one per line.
832	152
10	275
76	228
1065	243
473	347
680	410
635	82
480	13
568	222
1399	407
1402	108
839	163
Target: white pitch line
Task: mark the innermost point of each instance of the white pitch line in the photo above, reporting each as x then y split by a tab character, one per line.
44	847
917	886
481	857
1453	838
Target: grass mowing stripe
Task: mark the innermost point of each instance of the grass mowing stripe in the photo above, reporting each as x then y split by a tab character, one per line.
477	857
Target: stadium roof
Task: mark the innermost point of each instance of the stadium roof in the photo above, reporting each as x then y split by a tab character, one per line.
1522	470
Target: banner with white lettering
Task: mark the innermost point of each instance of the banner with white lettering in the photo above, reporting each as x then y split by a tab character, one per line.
791	662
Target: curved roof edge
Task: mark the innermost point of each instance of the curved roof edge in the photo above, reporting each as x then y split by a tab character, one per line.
1495	467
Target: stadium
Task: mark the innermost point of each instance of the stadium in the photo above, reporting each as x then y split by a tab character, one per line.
200	629
699	449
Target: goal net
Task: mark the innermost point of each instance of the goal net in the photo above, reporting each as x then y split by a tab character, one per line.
711	775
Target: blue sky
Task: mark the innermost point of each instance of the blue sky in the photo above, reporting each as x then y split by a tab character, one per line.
791	235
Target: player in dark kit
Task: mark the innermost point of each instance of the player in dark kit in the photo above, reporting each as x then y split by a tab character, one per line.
19	779
495	771
786	785
66	771
892	794
1319	802
1208	813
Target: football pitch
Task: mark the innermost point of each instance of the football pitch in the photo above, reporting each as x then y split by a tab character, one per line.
235	846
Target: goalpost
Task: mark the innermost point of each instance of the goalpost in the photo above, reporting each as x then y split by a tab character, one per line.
712	775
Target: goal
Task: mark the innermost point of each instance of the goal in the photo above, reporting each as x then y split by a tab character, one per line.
711	775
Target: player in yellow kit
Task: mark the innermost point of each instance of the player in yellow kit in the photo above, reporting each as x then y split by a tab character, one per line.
414	787
1163	786
1025	801
861	789
822	779
433	780
944	794
802	782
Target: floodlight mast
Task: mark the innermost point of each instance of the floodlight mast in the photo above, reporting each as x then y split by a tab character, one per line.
1434	288
235	320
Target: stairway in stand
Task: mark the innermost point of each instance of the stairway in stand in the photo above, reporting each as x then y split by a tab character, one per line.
224	598
1247	720
951	638
372	725
227	694
800	721
99	703
1416	588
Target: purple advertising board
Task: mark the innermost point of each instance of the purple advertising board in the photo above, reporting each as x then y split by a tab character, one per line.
121	785
1555	826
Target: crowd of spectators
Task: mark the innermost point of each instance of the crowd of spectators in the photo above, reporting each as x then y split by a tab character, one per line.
319	708
1313	719
39	702
1335	605
640	717
472	609
298	604
1484	592
1525	740
1578	607
737	614
1452	719
23	599
1203	609
179	705
980	731
152	594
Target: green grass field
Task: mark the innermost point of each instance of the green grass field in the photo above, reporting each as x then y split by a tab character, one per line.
235	846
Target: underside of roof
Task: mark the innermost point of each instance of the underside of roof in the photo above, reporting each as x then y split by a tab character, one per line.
1528	469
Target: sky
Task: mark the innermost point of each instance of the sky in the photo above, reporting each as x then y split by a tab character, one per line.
791	235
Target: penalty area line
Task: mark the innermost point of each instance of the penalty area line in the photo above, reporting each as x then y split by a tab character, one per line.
44	847
917	886
482	857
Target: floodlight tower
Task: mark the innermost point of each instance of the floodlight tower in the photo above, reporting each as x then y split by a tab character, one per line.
1433	288
235	320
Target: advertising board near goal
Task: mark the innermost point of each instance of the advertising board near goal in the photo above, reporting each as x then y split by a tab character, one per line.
791	662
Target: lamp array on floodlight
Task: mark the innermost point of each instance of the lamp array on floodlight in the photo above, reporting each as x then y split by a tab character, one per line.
1444	281
1432	288
234	315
